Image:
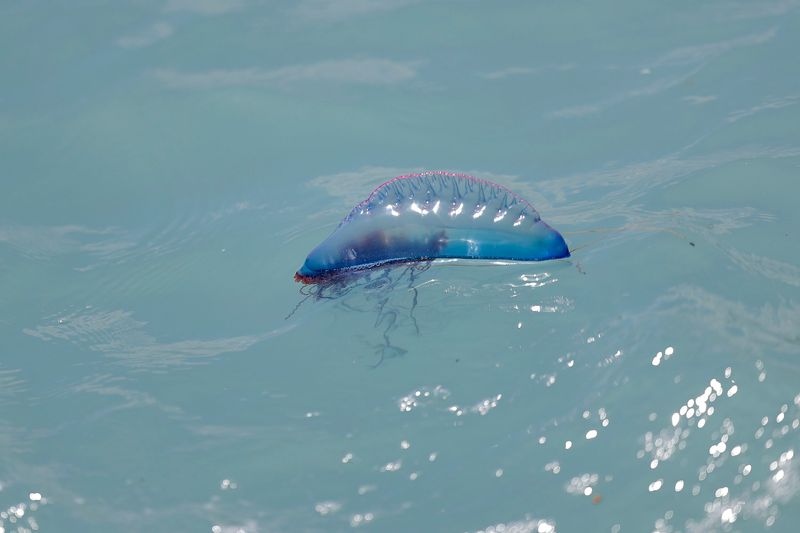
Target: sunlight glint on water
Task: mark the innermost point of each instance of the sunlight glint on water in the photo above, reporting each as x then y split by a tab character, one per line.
168	165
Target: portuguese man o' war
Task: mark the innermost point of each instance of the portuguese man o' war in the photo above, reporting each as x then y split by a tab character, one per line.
433	215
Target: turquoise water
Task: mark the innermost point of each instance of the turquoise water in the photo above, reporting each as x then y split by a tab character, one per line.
166	166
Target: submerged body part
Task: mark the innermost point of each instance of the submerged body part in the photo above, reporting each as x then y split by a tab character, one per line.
434	215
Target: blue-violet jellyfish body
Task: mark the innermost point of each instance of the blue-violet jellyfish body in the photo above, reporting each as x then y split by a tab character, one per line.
434	215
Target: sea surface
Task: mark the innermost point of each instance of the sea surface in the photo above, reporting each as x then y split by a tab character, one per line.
165	167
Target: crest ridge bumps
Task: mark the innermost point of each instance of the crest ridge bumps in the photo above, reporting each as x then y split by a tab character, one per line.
451	187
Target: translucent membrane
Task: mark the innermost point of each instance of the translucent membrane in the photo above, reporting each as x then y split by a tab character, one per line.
434	215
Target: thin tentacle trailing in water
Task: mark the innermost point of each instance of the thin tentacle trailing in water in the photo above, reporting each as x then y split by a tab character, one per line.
433	215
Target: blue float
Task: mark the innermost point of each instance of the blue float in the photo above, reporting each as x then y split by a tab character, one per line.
433	215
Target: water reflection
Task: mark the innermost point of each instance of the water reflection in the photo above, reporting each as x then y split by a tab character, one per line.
656	392
119	335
